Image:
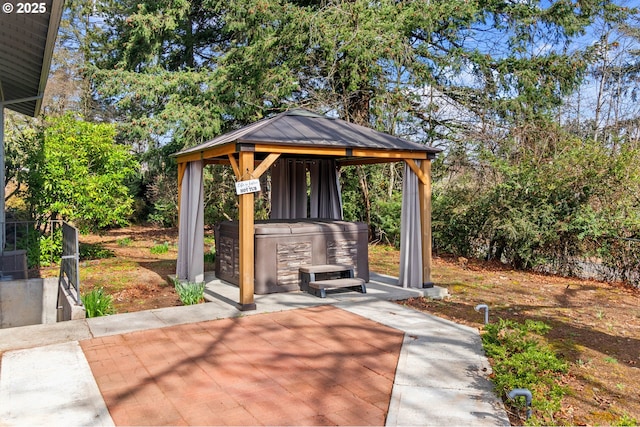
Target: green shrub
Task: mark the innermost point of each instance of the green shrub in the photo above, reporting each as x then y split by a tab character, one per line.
567	199
164	214
190	293
97	303
384	219
162	248
523	360
51	248
77	171
42	249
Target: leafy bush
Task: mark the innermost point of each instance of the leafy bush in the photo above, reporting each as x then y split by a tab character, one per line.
384	219
162	195
42	249
522	360
190	293
50	248
542	206
162	248
97	303
219	190
78	172
164	214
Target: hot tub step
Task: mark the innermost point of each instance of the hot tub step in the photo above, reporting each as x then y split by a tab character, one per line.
326	268
319	287
320	272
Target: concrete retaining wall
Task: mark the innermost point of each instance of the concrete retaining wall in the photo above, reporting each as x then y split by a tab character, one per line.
34	302
67	308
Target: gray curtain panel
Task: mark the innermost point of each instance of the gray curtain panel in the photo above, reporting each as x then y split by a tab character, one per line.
410	232
288	189
190	265
326	200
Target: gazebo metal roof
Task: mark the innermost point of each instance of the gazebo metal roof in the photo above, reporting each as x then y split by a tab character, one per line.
27	37
301	129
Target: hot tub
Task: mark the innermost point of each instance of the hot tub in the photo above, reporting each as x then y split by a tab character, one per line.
283	246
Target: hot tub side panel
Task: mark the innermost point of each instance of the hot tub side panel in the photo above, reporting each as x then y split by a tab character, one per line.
348	245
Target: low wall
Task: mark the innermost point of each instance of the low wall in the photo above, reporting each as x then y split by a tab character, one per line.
34	302
67	308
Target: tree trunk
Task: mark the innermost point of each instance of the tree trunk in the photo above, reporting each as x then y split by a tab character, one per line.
364	185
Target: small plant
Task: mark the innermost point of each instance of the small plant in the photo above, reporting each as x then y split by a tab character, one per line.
611	360
625	420
97	303
125	241
162	248
523	360
190	293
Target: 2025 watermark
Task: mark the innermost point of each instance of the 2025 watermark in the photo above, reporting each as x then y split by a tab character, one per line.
24	8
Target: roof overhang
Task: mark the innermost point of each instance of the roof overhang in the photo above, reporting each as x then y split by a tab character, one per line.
28	33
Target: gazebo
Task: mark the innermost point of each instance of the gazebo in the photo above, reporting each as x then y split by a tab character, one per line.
306	138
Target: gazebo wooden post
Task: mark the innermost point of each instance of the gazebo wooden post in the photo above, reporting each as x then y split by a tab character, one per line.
246	227
424	191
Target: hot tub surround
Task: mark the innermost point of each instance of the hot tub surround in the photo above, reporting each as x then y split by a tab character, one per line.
283	246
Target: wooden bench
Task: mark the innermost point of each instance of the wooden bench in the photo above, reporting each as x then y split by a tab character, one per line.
316	279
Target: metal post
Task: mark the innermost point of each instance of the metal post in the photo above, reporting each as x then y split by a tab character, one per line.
484	307
524	393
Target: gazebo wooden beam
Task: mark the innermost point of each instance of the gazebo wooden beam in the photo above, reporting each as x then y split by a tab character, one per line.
348	157
424	179
383	154
340	162
265	164
302	150
206	154
234	166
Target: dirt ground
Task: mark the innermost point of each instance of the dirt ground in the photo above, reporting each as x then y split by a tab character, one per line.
596	326
127	268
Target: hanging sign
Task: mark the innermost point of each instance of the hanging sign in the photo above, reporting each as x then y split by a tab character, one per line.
248	186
